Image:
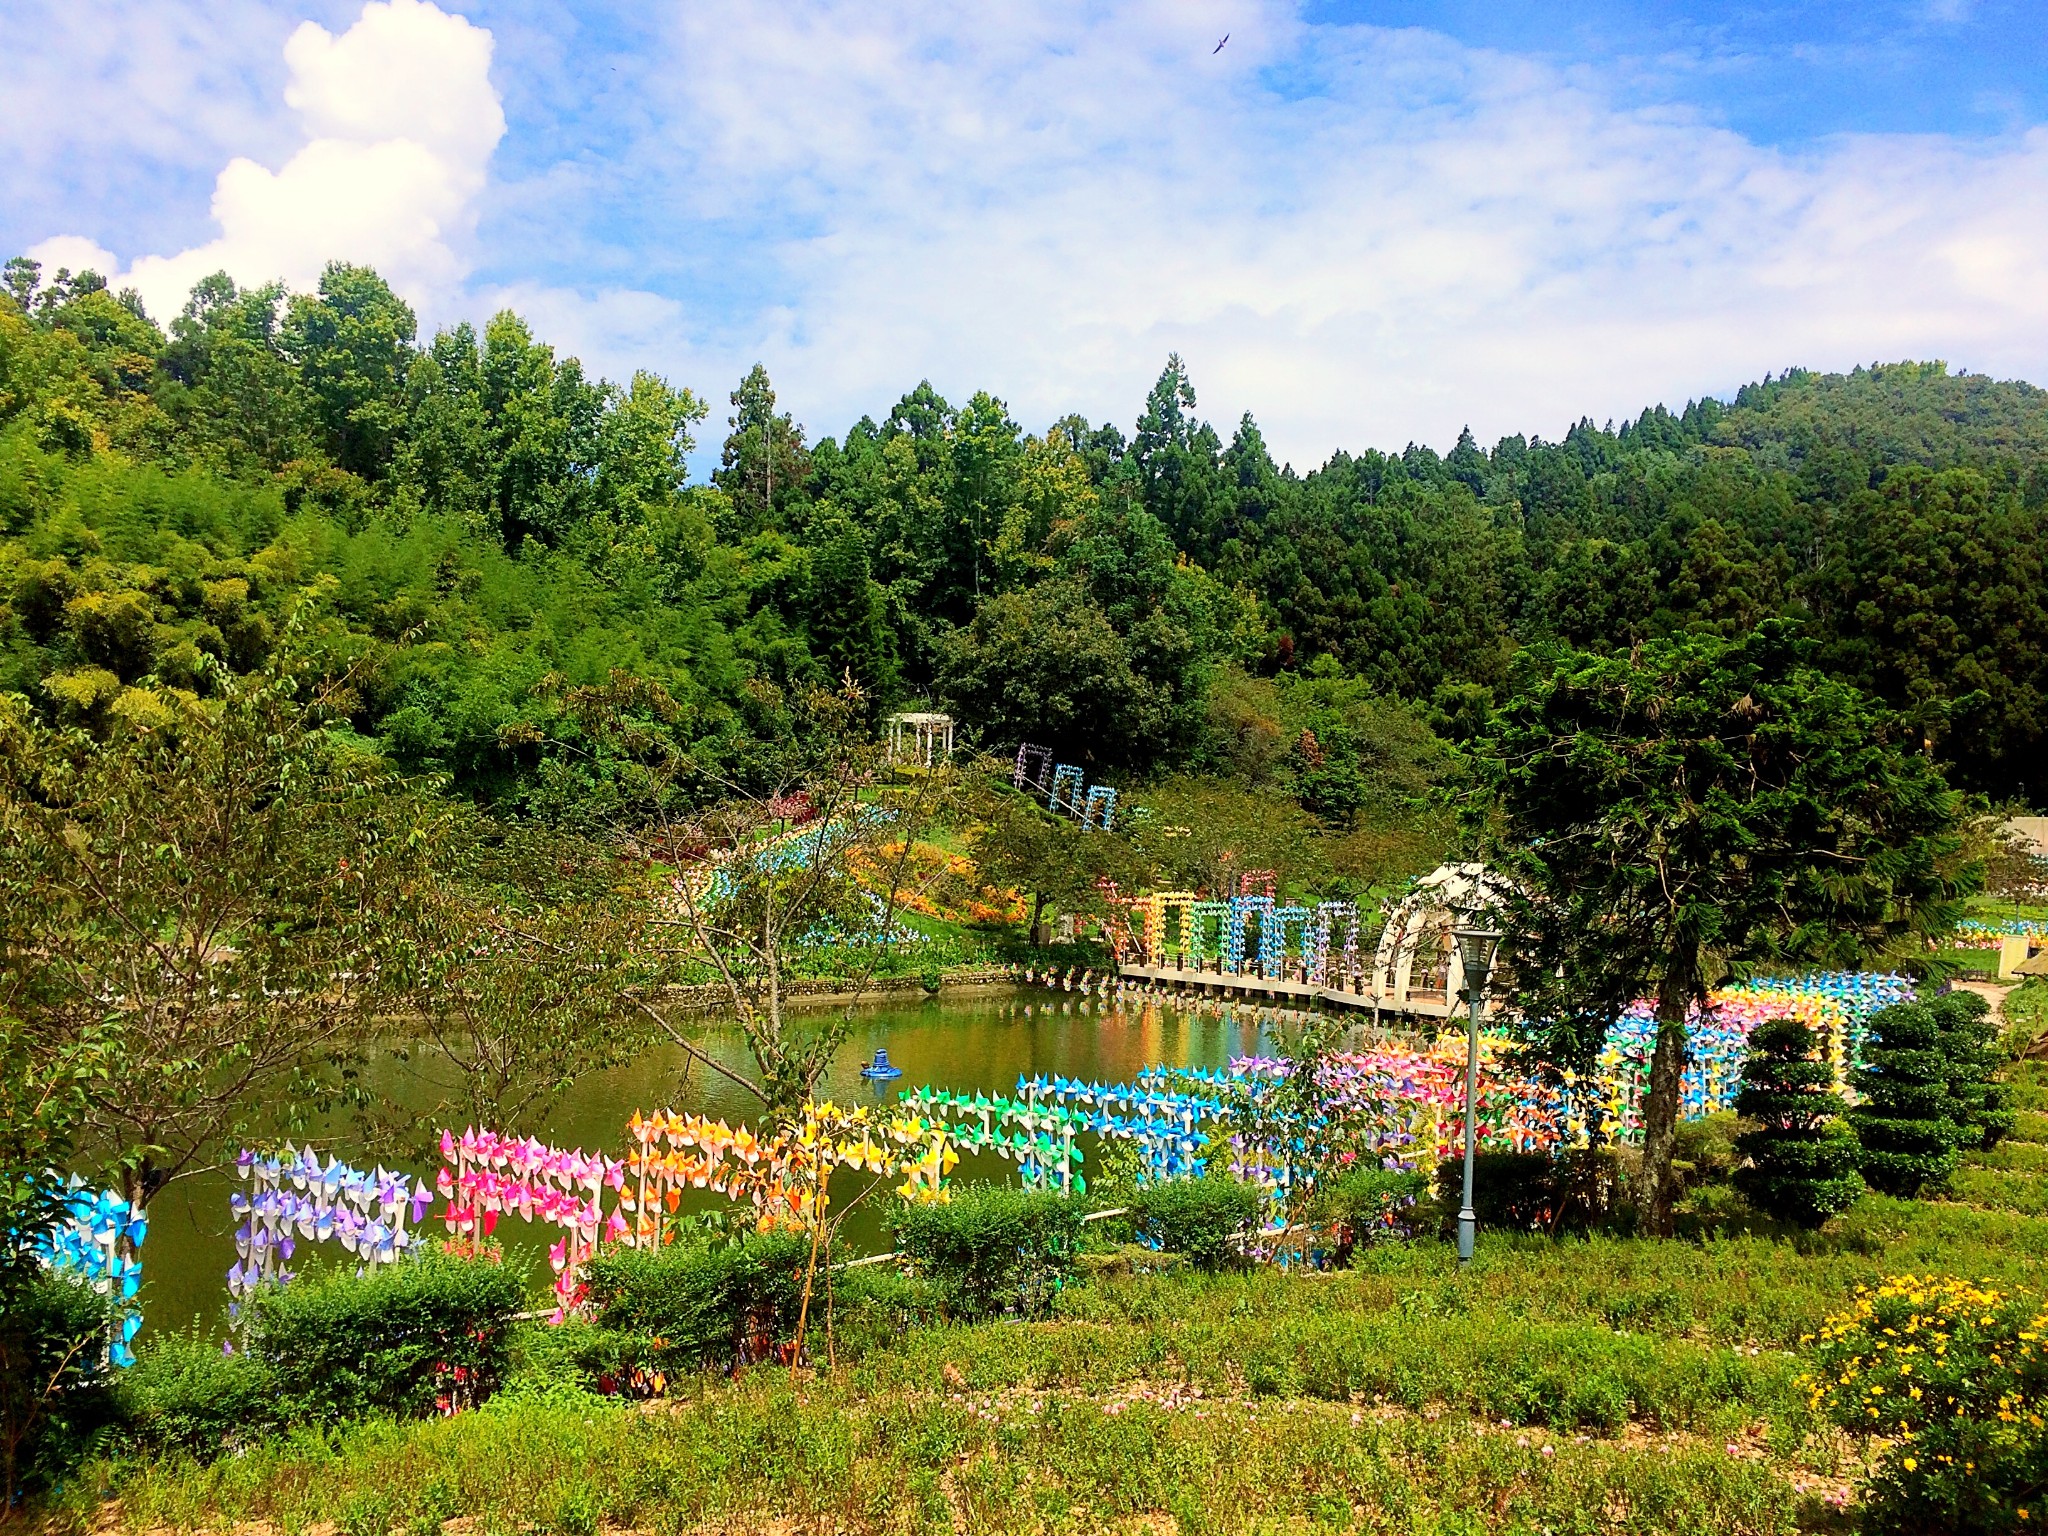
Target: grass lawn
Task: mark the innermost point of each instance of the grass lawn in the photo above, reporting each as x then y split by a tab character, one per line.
2026	1010
1587	1385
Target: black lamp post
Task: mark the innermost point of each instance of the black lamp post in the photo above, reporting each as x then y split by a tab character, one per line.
1476	945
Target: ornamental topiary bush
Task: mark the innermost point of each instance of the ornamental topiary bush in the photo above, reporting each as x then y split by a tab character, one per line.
1907	1123
1802	1155
1971	1045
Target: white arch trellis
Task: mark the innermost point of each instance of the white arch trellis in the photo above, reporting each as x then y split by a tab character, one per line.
1419	926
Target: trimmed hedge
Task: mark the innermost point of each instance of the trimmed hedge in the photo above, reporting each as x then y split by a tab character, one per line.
404	1340
992	1249
696	1305
1208	1220
185	1393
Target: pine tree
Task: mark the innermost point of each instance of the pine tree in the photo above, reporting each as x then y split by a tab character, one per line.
1971	1046
1908	1121
1802	1155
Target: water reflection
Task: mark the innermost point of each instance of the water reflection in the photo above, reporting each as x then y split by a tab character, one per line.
973	1043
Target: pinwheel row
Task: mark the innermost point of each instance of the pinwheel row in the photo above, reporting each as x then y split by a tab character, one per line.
1985	932
785	1175
486	1176
293	1197
98	1240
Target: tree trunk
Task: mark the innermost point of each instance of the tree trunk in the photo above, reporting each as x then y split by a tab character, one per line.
1660	1112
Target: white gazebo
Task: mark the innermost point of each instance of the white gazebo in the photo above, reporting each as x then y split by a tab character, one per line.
920	739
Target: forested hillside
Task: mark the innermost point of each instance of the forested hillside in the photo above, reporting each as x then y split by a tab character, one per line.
464	526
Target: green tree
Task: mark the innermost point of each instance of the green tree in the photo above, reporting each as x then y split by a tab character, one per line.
1660	817
215	878
764	465
845	613
1019	843
1909	1123
1801	1154
52	1331
1045	664
513	966
352	345
545	426
1970	1043
1177	462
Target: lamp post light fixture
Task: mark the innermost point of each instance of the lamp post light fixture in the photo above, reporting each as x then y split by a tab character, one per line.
1476	945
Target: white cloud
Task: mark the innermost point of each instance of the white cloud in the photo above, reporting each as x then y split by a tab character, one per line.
401	119
74	253
1364	236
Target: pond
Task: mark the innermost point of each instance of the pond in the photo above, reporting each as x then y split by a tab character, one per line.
977	1043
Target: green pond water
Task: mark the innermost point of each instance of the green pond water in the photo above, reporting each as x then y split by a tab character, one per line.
974	1042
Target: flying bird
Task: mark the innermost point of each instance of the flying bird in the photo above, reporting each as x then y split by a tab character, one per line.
1219	47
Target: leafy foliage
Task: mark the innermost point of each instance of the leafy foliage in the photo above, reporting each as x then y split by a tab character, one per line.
1210	1221
702	1304
186	1393
492	518
992	1249
52	1332
1802	1154
1983	1104
56	1388
401	1340
213	877
1699	798
1955	1375
1909	1121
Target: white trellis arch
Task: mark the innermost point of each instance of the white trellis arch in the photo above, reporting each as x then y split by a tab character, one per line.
1419	925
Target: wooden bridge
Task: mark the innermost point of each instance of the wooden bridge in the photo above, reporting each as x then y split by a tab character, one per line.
1291	984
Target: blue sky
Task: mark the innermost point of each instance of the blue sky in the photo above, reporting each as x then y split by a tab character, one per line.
1364	222
1784	73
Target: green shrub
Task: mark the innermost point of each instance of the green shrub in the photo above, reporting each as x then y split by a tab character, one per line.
1511	1191
185	1393
1209	1220
693	1305
1373	1205
1970	1042
1533	1191
992	1249
56	1396
555	1365
1802	1154
402	1340
1703	1150
1965	1411
1907	1121
877	1305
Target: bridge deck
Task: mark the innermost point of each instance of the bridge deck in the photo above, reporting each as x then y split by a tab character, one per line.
1342	991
